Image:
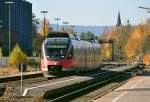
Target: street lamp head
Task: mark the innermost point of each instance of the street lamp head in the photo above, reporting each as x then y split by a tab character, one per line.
144	8
57	19
148	11
9	2
44	11
65	22
73	26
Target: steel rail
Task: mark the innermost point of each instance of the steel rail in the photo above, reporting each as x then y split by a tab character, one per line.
85	88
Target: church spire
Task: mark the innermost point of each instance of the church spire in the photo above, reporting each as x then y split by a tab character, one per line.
118	20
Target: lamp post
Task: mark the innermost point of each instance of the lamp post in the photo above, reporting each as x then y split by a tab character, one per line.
57	19
65	24
9	3
44	12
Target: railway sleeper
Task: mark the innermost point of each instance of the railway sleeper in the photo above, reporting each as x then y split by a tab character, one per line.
50	95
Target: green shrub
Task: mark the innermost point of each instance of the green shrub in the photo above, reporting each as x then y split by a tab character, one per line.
34	62
17	56
31	61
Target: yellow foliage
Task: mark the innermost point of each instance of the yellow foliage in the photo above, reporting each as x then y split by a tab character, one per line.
47	28
115	35
1	55
134	43
106	51
17	56
131	42
146	59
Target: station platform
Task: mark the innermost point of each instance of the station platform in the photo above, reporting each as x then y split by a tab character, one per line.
137	89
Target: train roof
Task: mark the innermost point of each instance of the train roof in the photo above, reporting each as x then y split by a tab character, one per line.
67	35
60	35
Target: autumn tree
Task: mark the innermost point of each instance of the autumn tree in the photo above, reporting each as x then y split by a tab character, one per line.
37	44
131	42
70	30
102	36
1	54
17	56
35	21
120	36
146	45
62	29
47	27
135	43
146	59
37	39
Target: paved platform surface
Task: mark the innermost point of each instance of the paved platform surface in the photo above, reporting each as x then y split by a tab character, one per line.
137	89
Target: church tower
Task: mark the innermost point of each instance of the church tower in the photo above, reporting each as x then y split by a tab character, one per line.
118	20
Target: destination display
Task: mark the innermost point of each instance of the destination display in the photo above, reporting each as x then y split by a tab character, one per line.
57	41
56	46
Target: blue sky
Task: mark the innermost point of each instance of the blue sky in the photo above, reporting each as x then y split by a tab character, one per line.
92	12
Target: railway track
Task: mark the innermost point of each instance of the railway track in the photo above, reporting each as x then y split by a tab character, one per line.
111	85
82	91
40	74
17	77
13	81
30	81
86	88
73	90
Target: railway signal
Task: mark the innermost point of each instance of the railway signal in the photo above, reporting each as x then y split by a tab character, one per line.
112	43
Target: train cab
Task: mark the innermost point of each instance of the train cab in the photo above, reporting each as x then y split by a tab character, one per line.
57	55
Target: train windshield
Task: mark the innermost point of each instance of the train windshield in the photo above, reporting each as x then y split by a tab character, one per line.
56	49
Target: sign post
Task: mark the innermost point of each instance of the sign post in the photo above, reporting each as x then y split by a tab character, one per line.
21	66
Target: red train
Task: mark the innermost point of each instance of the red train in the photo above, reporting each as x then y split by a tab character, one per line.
62	53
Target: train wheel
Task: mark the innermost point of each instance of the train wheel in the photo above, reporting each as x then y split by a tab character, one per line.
48	78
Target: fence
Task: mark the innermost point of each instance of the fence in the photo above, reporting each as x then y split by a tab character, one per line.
3	61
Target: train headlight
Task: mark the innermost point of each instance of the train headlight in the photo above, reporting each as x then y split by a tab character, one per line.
69	56
44	69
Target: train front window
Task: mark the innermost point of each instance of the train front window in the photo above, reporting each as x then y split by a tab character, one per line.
56	52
